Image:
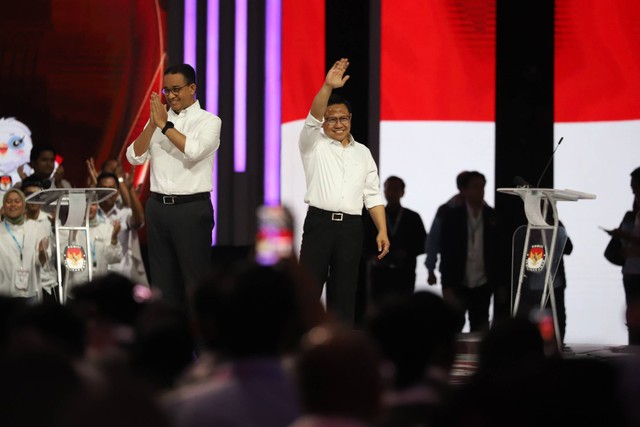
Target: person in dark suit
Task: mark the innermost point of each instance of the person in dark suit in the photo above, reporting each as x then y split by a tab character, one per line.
468	255
395	274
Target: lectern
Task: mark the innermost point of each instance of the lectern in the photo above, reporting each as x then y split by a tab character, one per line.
78	201
538	247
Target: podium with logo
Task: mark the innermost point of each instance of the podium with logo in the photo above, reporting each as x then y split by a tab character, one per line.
72	256
538	248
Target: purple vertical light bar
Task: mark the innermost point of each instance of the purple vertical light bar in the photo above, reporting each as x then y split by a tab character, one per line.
272	101
240	89
212	84
190	28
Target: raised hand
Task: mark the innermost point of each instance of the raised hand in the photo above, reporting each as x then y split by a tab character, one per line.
114	233
128	178
158	113
43	245
335	77
92	179
21	172
42	251
58	175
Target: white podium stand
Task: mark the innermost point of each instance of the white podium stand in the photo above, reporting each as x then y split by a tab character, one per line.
537	202
78	200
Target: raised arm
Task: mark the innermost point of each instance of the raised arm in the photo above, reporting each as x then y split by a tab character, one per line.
335	79
141	144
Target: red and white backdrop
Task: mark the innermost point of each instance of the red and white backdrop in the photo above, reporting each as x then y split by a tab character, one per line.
438	118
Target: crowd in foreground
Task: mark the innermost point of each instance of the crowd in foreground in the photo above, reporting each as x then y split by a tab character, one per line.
257	349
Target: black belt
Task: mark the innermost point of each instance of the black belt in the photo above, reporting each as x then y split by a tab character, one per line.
166	199
333	216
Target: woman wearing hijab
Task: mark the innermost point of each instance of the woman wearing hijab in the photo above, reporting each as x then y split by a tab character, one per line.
24	249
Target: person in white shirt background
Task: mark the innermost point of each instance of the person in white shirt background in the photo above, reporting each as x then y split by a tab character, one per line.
25	249
180	144
131	219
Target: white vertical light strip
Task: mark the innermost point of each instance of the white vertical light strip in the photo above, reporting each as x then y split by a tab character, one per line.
212	86
272	101
190	28
240	89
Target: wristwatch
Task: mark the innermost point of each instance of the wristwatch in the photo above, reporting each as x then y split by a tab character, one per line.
167	126
120	179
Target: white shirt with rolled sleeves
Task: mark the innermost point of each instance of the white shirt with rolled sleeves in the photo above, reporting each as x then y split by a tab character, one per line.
339	178
174	172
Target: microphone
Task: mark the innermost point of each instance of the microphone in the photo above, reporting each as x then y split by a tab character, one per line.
549	162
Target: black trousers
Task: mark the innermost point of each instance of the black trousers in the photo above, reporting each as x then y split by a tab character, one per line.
476	301
631	284
390	282
179	241
331	251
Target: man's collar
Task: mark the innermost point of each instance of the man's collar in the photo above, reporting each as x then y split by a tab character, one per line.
351	141
194	106
113	210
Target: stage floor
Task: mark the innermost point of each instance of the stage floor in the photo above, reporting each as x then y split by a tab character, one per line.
467	357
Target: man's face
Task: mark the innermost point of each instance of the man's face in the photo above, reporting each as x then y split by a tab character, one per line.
184	97
44	164
474	193
337	122
93	210
109	182
393	191
32	207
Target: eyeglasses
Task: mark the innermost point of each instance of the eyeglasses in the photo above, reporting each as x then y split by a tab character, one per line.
174	90
332	121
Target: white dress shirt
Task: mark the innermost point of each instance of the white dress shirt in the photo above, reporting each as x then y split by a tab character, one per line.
339	178
174	172
130	265
475	274
19	251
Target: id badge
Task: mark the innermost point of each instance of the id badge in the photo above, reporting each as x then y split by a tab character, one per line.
21	279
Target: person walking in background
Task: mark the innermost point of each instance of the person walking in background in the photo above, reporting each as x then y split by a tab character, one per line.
395	274
629	234
433	239
180	144
468	263
341	177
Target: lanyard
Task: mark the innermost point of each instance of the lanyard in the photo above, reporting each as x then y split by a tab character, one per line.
93	253
393	229
6	224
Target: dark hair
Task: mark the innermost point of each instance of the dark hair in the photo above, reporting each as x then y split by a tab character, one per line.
248	313
32	181
635	175
396	179
460	179
37	150
185	69
466	179
104	175
338	99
